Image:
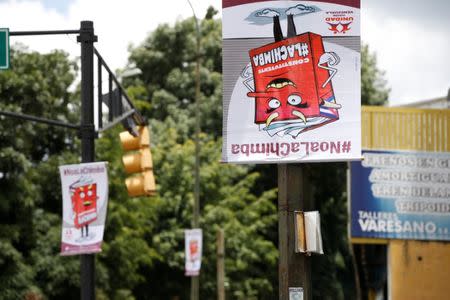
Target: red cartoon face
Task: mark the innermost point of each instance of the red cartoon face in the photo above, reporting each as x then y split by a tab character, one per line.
85	197
283	99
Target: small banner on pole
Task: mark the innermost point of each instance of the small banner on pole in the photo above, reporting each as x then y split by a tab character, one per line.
85	199
193	251
291	81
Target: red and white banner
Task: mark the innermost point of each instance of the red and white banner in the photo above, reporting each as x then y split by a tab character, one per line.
85	199
291	77
193	251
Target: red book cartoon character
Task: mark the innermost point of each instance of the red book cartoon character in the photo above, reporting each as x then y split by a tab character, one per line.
292	82
193	248
84	197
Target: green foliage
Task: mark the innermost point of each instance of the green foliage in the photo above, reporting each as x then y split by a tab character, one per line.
16	276
172	51
56	276
30	201
373	85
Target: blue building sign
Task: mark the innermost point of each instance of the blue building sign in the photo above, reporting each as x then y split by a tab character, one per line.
401	195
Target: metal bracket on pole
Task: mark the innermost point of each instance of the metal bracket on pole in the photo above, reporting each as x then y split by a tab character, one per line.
87	131
119	92
87	33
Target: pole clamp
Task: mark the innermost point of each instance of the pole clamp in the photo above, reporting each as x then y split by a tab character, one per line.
87	37
88	131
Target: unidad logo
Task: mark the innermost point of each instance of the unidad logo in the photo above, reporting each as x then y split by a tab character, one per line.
339	22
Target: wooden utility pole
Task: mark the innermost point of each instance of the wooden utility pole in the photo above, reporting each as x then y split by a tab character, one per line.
220	265
294	269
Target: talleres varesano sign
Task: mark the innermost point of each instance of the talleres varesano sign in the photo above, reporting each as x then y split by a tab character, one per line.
291	72
401	195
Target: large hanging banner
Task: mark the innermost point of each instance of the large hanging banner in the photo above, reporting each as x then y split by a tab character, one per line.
193	251
291	81
401	195
85	199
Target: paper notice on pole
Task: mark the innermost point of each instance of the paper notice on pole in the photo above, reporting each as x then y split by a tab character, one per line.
313	232
85	199
308	235
193	251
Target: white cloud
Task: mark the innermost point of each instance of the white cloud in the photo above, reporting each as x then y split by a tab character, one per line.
116	23
414	57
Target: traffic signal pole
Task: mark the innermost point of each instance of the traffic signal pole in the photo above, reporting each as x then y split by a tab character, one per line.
86	128
87	132
86	38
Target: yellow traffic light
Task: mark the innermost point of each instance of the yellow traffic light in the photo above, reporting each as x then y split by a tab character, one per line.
138	161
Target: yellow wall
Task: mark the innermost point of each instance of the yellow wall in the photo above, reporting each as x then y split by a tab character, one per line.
417	270
385	128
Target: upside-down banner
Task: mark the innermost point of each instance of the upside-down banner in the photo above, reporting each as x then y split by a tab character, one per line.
291	81
85	199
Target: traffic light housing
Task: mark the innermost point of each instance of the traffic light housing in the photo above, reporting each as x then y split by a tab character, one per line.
138	160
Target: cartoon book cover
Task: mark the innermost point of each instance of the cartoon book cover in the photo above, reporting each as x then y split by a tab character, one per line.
193	239
85	199
295	94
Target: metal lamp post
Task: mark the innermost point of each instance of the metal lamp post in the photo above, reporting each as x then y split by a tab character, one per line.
196	207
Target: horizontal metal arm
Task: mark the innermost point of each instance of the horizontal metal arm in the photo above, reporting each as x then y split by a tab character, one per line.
46	32
38	119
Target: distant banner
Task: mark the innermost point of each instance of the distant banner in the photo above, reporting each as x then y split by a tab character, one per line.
193	251
291	81
401	195
85	199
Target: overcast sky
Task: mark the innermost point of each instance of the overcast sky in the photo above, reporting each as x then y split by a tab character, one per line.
410	38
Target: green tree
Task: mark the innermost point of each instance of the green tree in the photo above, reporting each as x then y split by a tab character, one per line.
374	90
30	207
172	51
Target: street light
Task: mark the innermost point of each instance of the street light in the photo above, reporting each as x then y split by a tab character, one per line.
130	71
